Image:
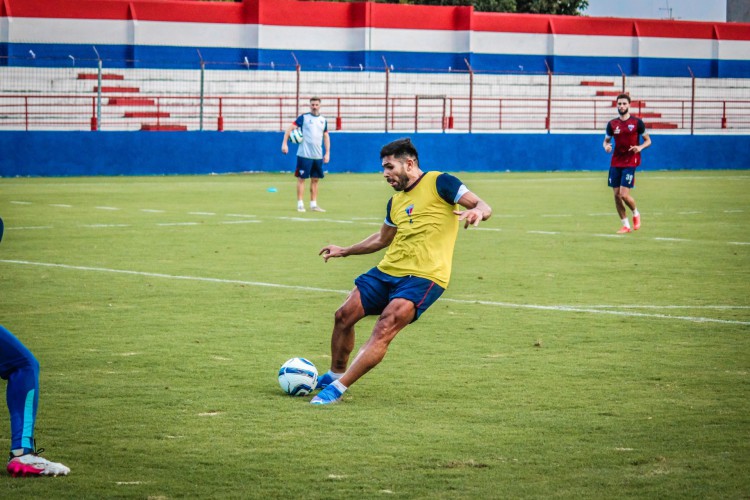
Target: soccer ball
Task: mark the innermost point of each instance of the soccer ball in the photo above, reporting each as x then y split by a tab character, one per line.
295	136
298	377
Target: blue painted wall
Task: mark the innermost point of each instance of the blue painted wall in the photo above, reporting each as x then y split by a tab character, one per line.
156	153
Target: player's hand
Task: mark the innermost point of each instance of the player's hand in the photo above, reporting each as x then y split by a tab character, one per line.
608	148
284	148
472	216
635	149
331	251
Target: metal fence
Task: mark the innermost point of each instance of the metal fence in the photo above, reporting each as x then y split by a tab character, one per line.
112	95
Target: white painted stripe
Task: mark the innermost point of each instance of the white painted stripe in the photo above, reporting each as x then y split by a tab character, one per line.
739	242
241	215
559	308
676	48
542	232
58	30
313	38
201	213
272	37
27	227
595	46
60	205
240	221
183	34
21	202
670	239
178	224
152	211
487	42
105	225
405	40
107	208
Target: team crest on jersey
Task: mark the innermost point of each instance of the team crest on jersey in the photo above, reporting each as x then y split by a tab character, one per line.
631	127
408	211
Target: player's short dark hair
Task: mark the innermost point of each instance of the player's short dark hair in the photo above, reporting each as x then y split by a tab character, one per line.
400	148
623	96
314	98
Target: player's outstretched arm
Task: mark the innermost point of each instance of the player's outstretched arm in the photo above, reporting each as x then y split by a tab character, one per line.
476	210
373	243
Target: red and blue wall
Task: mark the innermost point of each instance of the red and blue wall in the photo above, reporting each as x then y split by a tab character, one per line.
331	35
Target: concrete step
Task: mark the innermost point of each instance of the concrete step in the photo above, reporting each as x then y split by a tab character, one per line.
95	76
152	127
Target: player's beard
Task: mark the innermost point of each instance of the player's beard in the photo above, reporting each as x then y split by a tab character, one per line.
623	112
402	182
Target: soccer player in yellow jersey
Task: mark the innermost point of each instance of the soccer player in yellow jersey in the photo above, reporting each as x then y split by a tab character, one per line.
420	229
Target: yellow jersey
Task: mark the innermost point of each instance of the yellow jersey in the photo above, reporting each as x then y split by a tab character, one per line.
426	228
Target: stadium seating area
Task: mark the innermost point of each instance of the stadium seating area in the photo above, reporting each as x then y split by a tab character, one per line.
149	99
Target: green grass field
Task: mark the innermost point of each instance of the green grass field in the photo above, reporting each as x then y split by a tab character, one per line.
564	361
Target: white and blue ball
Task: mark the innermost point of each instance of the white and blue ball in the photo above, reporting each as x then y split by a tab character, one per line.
298	377
295	136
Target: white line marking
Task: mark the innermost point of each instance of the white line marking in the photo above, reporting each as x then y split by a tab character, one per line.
60	205
152	211
302	219
241	215
670	239
240	222
107	208
28	227
739	242
689	213
178	224
201	213
557	215
21	202
105	225
600	235
560	308
733	211
542	232
644	306
486	229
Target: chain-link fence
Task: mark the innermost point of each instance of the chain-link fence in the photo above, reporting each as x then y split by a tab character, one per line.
100	94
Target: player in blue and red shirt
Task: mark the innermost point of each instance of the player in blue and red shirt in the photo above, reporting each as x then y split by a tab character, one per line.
627	131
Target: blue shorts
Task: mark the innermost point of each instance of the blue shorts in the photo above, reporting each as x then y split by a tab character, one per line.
622	177
377	289
307	167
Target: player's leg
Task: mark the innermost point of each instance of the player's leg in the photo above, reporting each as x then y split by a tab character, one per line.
342	337
398	314
301	173
628	183
300	194
316	173
21	369
615	182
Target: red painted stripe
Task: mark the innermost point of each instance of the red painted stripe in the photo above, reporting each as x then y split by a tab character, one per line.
362	14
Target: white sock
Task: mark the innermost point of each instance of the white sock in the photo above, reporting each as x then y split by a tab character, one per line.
636	213
625	222
334	375
313	204
338	385
300	204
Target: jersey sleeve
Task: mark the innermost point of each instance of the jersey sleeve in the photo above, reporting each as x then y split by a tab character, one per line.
609	132
450	188
388	221
641	127
299	121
